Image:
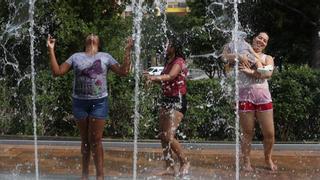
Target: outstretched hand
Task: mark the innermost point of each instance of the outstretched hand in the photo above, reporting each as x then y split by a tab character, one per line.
243	61
147	79
51	42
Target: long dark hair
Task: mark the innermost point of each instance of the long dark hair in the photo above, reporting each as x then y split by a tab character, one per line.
177	44
178	47
257	34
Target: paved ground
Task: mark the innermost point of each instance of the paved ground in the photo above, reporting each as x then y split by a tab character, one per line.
57	161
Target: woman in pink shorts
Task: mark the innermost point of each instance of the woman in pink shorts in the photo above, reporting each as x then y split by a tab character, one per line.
255	102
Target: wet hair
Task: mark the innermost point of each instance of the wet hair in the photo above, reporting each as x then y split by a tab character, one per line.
257	34
177	44
178	47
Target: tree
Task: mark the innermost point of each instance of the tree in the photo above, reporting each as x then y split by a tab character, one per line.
293	26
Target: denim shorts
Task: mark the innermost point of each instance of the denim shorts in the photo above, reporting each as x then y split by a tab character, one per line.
94	108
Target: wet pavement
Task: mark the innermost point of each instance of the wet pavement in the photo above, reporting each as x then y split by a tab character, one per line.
58	161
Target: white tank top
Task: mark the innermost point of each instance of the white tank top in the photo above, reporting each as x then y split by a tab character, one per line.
252	89
246	81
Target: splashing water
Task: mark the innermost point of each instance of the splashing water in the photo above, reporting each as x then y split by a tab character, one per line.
13	29
19	26
222	19
217	30
163	6
235	39
138	13
34	115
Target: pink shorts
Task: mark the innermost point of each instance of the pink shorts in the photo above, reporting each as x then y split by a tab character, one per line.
245	106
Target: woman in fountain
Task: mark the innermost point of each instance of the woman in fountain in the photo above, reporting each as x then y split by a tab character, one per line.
173	105
255	101
90	96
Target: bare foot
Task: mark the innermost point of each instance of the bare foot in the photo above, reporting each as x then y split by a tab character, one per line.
184	169
271	165
247	167
167	171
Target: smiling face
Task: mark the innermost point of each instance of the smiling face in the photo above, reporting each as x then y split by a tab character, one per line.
260	42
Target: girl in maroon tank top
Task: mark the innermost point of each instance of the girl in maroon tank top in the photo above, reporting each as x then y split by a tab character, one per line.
173	106
176	86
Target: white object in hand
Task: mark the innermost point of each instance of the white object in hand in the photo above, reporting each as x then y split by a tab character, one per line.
265	69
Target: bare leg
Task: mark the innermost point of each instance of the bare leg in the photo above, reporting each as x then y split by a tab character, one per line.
85	147
247	120
176	146
267	127
166	147
169	122
96	127
167	151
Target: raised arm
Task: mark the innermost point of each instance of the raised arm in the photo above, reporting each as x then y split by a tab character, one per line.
230	57
227	55
124	68
55	68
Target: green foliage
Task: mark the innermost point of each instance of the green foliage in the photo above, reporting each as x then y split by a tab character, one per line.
210	114
120	123
149	111
15	108
5	113
4	13
296	93
54	105
198	8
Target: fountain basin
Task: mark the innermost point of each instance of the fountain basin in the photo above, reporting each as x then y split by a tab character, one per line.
62	160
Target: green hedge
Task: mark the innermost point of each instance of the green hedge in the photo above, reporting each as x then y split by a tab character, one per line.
296	96
210	114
